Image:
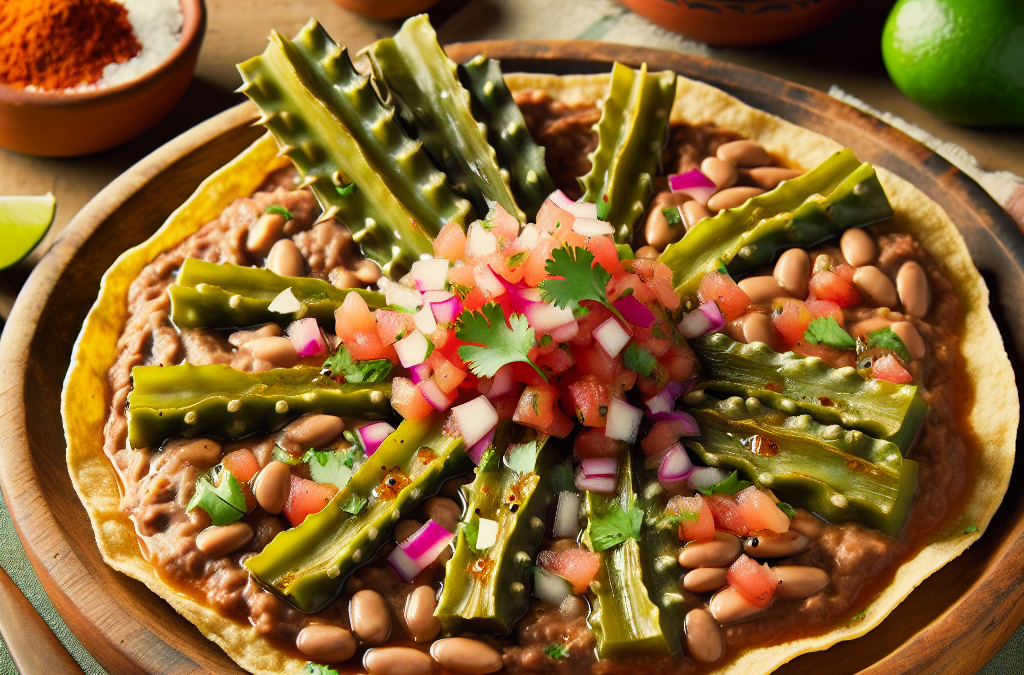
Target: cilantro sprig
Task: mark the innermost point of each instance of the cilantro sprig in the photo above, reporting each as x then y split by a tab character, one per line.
580	280
557	651
357	372
495	343
225	502
639	360
826	330
615	526
886	338
729	486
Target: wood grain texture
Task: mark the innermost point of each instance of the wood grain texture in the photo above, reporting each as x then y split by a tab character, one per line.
951	624
32	645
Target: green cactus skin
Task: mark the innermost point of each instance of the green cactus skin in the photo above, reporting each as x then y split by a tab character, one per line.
891	412
217	400
414	67
839	474
492	605
506	130
624	619
329	120
208	295
632	134
307	565
838	194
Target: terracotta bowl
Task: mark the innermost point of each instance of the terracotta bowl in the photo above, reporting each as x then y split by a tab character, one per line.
740	23
57	124
386	9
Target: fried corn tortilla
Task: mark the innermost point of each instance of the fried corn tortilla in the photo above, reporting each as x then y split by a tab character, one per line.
992	420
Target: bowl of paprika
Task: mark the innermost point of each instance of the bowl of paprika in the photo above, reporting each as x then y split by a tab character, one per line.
82	76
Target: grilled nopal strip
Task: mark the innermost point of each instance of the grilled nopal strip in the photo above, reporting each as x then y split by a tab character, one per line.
308	564
838	194
839	474
632	134
332	124
487	591
414	67
211	295
792	384
624	619
492	103
217	400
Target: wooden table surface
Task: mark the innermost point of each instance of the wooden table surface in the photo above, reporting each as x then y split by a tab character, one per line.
846	53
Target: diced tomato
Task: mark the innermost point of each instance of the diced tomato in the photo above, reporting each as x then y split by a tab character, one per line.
597	314
721	289
577	565
408	401
523	372
889	369
392	324
353	318
650	386
605	254
655	346
701	529
760	512
537	406
820	308
756	583
242	463
463	275
593	443
504	225
590	398
631	282
533	268
306	497
556	360
368	346
663	434
474	300
845	271
726	511
449	346
551	218
450	242
665	292
561	426
828	285
595	360
680	362
790	318
446	374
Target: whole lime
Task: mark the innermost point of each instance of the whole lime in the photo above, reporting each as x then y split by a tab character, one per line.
961	59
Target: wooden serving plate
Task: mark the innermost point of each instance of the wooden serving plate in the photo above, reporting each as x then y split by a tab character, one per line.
952	624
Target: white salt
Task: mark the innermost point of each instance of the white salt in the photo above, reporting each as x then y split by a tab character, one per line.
157	25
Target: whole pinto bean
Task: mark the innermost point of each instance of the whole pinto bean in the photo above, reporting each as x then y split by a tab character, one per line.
865	326
911	338
272	486
443	511
743	153
343	278
367	272
762	290
912	285
369	617
769	177
732	197
264	233
694	212
718	553
858	247
793	272
419	614
728	606
466	656
397	661
326	644
286	259
314	431
218	542
752	327
797	582
780	546
271	352
722	173
647	253
658	231
705	579
202	453
875	286
704	640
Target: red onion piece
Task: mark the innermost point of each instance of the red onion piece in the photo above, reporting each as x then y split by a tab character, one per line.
435	397
447	311
706	319
592	227
307	338
623	421
611	336
567	515
663	403
476	452
603	484
412	349
373	434
429	274
517	299
420	372
634	311
693	183
475	418
502	383
682	423
598	467
561	200
565	333
420	550
714	315
675	466
545	318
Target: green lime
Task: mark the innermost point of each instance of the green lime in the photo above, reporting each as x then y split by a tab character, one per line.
23	224
961	59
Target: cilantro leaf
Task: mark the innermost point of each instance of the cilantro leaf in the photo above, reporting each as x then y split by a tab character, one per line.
581	280
471	531
225	503
347	190
787	509
673	216
886	338
353	504
317	669
729	486
522	457
970	529
562	478
279	210
357	372
557	651
328	466
496	344
639	360
827	331
615	526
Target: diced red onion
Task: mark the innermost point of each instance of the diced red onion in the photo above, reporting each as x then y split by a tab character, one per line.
611	336
565	333
705	476
567	515
447	311
705	319
399	295
307	338
561	200
602	484
475	418
693	183
424	320
518	294
480	242
429	274
477	450
592	227
489	282
502	383
676	464
436	296
527	239
664	402
550	587
420	372
373	434
582	209
412	349
435	397
486	534
417	552
682	423
634	311
545	317
285	302
714	315
597	467
623	421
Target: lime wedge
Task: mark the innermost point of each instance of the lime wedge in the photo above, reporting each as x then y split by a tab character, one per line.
23	224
